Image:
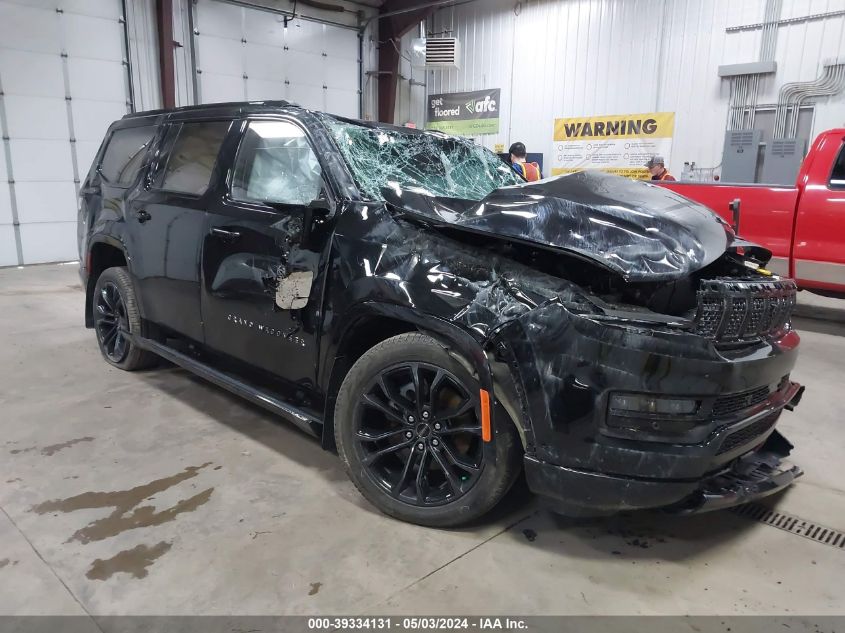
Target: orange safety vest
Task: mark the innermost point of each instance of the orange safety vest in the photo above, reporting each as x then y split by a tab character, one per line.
529	171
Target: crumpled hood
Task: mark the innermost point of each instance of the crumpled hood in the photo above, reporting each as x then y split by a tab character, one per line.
642	231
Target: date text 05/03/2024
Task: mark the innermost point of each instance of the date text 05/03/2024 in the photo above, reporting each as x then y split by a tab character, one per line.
430	623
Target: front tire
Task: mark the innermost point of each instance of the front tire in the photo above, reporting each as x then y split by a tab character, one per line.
407	427
116	314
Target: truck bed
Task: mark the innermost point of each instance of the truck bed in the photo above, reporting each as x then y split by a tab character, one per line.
767	213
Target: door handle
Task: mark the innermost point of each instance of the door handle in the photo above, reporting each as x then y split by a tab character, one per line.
143	216
226	236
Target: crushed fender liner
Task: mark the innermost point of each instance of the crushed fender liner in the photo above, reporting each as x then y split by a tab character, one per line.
753	476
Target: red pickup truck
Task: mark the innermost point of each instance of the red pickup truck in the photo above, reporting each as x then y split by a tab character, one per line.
803	226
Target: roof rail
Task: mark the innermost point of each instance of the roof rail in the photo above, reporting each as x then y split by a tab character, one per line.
212	106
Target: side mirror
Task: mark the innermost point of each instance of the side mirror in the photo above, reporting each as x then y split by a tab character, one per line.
734	207
319	207
315	213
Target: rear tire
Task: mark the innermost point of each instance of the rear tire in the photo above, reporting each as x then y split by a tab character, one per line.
115	313
386	433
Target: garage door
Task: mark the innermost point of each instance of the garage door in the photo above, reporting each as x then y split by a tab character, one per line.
62	81
247	54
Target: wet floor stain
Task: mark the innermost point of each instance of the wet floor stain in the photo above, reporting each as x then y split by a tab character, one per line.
49	451
11	481
5	562
133	561
128	513
315	587
18	451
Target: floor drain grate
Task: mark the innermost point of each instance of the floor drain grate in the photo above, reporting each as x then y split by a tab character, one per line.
793	524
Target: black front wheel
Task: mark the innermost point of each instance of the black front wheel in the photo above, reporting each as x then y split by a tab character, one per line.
408	428
116	318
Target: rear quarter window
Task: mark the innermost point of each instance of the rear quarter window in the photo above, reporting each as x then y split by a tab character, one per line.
125	153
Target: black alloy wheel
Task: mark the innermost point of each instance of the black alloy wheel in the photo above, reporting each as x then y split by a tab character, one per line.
111	322
418	434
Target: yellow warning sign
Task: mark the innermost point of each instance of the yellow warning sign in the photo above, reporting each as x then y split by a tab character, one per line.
619	143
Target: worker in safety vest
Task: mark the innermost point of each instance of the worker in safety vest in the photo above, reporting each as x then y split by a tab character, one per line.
657	169
528	171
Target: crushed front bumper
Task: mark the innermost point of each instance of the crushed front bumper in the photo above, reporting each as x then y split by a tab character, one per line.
757	474
569	367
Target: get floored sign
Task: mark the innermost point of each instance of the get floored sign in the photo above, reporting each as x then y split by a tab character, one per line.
465	113
620	143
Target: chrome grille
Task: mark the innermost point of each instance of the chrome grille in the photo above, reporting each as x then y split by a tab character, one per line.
731	310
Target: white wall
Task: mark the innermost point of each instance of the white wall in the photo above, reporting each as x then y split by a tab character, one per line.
411	88
559	58
247	54
319	48
63	81
143	54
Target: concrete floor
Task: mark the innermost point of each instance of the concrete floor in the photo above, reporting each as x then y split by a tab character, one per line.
156	493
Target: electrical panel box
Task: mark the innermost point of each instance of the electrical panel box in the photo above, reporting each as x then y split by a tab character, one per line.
783	160
739	159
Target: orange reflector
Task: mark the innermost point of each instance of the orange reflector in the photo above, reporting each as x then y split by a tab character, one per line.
486	431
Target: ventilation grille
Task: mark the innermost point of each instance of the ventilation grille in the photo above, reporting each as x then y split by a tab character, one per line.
784	147
441	52
793	524
744	138
726	405
748	434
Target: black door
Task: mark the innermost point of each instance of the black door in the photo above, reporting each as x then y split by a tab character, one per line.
166	221
260	298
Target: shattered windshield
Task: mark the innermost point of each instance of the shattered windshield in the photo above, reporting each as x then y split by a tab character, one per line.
431	163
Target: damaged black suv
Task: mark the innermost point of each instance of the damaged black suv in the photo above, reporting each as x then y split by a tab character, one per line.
443	325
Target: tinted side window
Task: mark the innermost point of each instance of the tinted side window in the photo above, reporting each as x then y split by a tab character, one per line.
125	153
837	176
275	163
193	156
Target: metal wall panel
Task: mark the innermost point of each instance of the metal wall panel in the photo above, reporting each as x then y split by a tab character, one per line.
142	44
245	53
556	58
63	81
266	28
8	249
